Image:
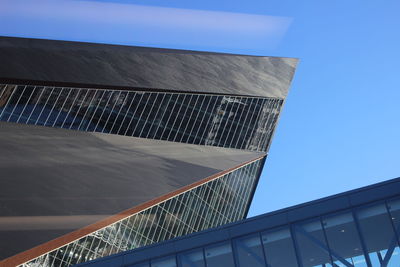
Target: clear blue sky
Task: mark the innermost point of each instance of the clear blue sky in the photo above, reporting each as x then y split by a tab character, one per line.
339	129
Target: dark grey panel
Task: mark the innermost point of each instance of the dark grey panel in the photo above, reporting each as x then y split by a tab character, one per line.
61	180
127	66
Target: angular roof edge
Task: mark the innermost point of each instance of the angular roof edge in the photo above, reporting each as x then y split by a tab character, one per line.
58	63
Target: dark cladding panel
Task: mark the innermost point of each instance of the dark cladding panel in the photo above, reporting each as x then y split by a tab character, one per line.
128	66
64	180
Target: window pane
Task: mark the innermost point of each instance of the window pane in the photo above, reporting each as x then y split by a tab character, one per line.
278	247
312	244
219	255
164	262
192	259
343	240
249	251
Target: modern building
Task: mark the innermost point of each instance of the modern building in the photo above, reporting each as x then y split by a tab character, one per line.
107	148
353	229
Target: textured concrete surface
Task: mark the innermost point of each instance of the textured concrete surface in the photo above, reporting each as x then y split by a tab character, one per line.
53	181
61	62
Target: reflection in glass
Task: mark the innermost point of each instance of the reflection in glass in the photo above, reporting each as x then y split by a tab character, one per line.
192	259
219	255
249	251
215	120
343	240
164	262
278	248
312	245
214	203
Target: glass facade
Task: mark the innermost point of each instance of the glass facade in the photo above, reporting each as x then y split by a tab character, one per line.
367	235
216	202
202	119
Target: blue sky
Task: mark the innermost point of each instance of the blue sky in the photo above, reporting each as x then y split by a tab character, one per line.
339	129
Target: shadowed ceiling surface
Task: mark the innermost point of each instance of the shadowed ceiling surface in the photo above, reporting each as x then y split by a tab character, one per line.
53	181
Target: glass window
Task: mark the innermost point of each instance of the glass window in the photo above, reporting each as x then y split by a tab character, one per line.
219	255
249	251
192	259
278	248
164	262
312	245
344	241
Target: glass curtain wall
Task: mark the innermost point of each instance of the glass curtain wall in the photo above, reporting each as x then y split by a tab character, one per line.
217	202
215	120
364	236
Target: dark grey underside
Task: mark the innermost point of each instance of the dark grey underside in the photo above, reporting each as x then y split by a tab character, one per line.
53	181
62	62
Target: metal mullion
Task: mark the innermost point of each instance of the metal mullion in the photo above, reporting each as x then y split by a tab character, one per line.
155	115
133	220
246	185
117	237
127	111
30	115
141	114
182	224
168	211
70	108
244	125
207	197
189	209
52	108
59	112
211	203
133	113
190	116
12	112
90	104
273	124
208	121
239	121
4	86
160	228
270	106
227	122
249	189
69	259
154	224
80	107
123	241
65	251
166	124
83	248
233	120
111	110
197	115
259	129
27	102
119	111
91	244
254	129
269	127
195	209
162	116
111	93
176	117
198	208
95	110
175	200
8	101
44	106
237	199
148	115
